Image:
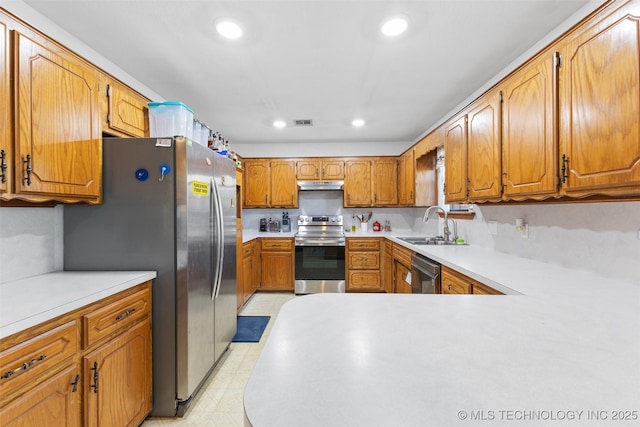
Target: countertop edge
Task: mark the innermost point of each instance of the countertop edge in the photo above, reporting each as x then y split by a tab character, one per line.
106	283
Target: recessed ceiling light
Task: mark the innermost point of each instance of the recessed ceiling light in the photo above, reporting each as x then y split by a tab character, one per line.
229	29
394	26
357	123
279	124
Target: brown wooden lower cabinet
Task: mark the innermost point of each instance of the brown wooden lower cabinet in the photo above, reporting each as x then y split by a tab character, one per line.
454	282
363	263
402	268
118	375
387	267
250	278
277	264
90	367
53	403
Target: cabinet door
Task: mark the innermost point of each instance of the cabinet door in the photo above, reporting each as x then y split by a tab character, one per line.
308	169
529	155
387	267
600	104
407	179
332	169
385	182
277	271
284	189
257	269
401	272
483	149
127	111
59	142
55	402
357	183
6	144
455	160
257	183
246	288
117	379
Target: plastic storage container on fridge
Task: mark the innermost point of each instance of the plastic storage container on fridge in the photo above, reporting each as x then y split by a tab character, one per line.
170	118
197	129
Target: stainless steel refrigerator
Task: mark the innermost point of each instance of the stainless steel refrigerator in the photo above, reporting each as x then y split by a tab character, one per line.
169	206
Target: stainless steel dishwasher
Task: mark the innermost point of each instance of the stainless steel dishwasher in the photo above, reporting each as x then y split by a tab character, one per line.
425	275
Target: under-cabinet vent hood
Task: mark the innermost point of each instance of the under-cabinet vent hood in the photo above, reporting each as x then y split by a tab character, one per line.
320	185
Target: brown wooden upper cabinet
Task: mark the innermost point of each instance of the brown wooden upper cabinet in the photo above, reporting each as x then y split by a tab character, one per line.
319	169
270	183
569	120
472	152
599	98
483	148
529	155
455	170
371	182
407	179
6	146
57	136
124	111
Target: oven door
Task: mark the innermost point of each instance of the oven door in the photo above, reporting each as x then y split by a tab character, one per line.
319	269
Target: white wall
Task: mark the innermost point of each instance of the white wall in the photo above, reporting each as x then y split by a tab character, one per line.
31	241
597	237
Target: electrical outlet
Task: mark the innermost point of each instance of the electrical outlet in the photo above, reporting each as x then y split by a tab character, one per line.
493	227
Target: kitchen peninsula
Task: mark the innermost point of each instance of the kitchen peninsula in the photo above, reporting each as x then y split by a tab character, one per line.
563	352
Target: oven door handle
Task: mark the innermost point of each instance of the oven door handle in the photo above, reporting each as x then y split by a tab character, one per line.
320	242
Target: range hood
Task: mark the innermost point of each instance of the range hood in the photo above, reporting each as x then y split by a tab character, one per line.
320	185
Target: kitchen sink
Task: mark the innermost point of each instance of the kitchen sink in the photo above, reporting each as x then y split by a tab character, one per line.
428	240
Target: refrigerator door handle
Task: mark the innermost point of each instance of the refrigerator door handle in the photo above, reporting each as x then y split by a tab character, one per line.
217	202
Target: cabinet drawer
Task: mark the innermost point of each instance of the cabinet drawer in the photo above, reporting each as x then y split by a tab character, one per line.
30	359
277	244
247	250
451	287
365	280
364	260
402	255
363	244
115	316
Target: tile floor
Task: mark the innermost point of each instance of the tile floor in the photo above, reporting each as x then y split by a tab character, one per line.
219	402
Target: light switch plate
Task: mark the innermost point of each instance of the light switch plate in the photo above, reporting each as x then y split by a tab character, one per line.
493	227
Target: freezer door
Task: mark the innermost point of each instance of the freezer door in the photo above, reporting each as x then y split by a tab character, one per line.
224	171
195	308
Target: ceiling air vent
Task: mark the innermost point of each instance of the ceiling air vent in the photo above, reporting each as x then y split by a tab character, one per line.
303	122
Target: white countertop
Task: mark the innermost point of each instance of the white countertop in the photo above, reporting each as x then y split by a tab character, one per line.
561	349
28	302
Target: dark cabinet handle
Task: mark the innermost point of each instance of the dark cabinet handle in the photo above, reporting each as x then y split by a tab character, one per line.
125	314
74	384
23	367
3	166
28	169
94	386
563	170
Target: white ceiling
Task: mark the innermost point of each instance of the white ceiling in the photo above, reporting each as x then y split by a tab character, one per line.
323	60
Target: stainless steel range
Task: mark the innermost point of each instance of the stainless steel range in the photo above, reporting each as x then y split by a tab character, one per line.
320	244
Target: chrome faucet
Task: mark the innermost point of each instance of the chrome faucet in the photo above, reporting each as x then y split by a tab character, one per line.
446	231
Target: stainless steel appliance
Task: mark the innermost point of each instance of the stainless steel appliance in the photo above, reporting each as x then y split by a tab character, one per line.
170	206
319	259
320	185
425	275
